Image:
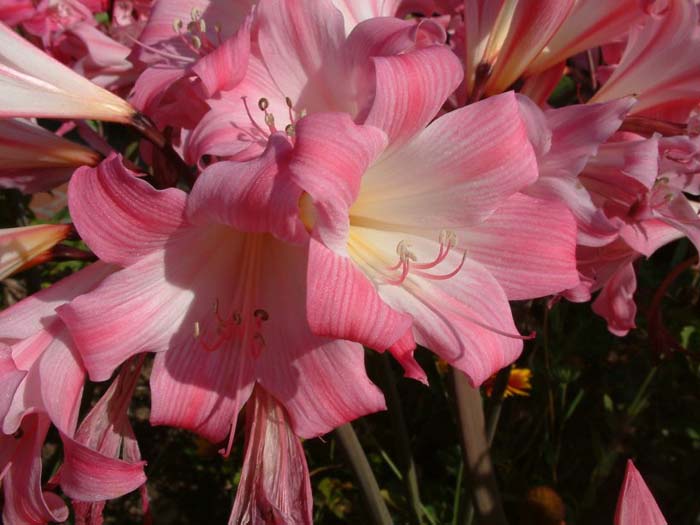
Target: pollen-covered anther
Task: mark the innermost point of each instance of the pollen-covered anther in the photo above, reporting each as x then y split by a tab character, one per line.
408	260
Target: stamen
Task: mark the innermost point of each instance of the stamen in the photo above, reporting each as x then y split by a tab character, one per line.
261	314
250	116
290	110
163	54
407	260
402	278
270	121
447	275
447	239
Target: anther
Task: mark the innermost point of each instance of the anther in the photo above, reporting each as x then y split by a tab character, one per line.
178	25
202	25
263	104
290	130
270	120
195	14
196	42
261	314
197	331
288	101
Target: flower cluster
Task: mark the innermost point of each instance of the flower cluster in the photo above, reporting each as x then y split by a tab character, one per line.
316	176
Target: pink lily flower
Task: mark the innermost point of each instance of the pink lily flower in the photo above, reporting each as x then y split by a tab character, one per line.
34	159
215	337
667	43
37	359
430	238
636	505
32	84
275	485
649	211
288	77
565	140
27	246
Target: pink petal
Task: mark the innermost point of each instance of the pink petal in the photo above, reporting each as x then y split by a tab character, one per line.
321	383
235	127
225	67
296	40
60	369
159	31
342	303
24	319
121	217
573	144
25	502
459	319
648	236
402	351
456	172
528	245
590	24
199	390
331	154
410	90
616	303
355	12
636	505
88	475
253	196
136	310
528	32
92	471
10	379
275	481
665	43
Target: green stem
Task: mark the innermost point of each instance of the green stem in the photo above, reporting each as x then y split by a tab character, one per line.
363	472
495	403
477	460
401	433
